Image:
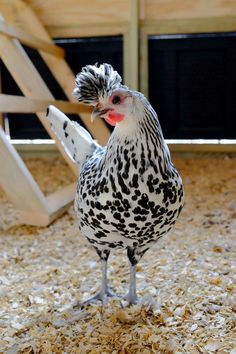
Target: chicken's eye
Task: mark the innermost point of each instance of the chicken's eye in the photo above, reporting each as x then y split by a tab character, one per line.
116	100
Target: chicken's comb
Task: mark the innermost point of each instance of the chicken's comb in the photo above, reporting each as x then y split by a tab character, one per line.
95	81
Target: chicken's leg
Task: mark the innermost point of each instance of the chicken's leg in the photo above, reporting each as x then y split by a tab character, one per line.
131	297
104	291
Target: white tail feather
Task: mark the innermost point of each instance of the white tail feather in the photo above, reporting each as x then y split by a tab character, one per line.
77	141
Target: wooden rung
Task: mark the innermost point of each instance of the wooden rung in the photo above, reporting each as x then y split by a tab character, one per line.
30	40
21	104
60	199
57	203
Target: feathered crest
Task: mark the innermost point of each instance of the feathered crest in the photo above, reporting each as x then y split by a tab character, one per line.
95	81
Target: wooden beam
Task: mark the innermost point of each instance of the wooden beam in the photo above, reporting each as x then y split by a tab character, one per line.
144	75
131	48
58	67
20	104
30	40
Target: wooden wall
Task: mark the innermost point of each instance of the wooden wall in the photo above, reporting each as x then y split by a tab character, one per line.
69	18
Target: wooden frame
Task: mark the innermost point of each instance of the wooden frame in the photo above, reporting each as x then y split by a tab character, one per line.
177	26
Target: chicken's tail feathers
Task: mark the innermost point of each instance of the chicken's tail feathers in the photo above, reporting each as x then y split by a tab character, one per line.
76	140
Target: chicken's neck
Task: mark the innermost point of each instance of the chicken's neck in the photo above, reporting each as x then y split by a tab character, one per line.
141	145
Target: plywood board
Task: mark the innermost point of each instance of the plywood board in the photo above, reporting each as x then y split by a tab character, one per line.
60	13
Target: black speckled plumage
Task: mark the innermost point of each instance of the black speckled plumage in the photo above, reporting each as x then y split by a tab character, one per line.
129	193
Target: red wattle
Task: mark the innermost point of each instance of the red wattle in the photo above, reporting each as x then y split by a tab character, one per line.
114	117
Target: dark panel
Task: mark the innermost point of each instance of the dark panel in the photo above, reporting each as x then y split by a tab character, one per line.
79	52
191	85
201	89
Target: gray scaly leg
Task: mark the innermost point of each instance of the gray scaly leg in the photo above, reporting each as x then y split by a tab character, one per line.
104	292
131	297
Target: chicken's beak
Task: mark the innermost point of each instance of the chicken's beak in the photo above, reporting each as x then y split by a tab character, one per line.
98	113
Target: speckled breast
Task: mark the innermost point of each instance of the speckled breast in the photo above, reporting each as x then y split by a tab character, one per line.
117	208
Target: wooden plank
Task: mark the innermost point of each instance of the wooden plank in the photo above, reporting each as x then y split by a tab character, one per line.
20	104
184	26
58	13
29	40
17	181
58	67
29	81
188	9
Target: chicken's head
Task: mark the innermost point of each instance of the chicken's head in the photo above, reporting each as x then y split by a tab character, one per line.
100	86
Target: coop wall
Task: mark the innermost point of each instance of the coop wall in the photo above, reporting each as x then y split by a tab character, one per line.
80	17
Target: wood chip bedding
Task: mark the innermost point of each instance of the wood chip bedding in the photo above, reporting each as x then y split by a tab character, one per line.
186	283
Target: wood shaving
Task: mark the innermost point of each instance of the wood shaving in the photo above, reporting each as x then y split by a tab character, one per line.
186	283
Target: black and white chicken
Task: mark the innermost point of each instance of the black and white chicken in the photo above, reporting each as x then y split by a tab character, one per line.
129	193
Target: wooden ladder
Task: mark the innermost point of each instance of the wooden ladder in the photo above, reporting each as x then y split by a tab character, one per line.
16	180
